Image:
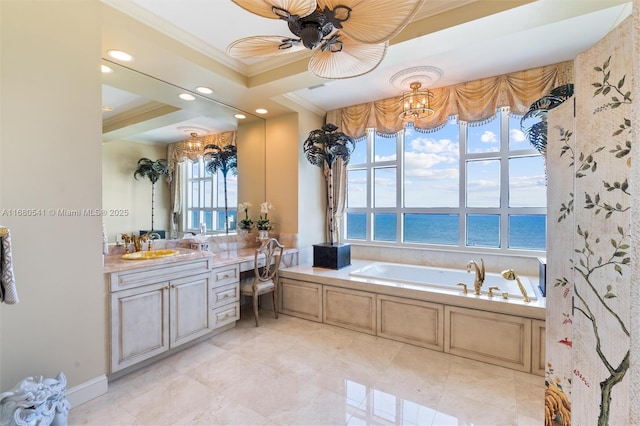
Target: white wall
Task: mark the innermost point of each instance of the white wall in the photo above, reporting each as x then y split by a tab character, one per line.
50	134
122	192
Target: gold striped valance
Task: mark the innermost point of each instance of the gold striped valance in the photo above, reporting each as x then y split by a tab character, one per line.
472	101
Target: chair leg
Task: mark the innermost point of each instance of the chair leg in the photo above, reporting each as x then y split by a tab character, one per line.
275	303
255	308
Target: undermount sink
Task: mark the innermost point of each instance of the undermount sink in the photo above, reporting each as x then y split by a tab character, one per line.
150	254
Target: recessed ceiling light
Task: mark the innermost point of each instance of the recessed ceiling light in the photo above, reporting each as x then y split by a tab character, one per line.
205	90
105	69
186	96
107	108
120	55
261	111
240	116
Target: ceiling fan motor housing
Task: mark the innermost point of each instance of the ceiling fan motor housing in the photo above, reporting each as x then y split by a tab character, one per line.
311	29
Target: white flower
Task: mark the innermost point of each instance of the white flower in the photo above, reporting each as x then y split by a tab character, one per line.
265	207
243	207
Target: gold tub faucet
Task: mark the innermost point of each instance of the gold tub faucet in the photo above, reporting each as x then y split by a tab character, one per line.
479	279
510	275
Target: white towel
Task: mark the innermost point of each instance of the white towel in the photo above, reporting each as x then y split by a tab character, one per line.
8	292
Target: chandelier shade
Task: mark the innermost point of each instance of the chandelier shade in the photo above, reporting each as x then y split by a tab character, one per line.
193	145
416	103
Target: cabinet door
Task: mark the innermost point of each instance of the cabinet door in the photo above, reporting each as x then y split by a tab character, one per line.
300	299
411	321
538	347
351	309
498	339
139	324
189	308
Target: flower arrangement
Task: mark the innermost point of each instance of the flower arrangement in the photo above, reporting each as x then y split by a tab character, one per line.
245	223
263	223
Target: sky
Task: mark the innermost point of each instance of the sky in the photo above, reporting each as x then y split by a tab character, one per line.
432	169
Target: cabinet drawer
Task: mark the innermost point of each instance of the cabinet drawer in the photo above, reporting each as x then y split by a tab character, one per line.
224	294
151	275
226	275
225	314
249	265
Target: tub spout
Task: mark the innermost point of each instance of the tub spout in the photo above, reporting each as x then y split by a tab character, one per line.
479	279
510	274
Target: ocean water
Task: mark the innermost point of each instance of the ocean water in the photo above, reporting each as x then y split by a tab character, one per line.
525	231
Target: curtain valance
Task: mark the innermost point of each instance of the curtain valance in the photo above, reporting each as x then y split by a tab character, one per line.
183	150
472	101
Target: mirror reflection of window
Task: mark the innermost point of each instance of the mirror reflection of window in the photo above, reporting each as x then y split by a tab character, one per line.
204	203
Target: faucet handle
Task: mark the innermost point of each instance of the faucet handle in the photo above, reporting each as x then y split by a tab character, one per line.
490	293
464	287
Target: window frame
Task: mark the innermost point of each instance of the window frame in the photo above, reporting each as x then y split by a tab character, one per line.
503	211
216	199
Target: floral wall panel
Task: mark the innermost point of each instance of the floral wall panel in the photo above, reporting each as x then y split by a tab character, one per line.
634	371
560	236
601	257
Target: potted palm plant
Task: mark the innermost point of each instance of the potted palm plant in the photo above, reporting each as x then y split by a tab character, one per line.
537	133
322	148
153	170
224	159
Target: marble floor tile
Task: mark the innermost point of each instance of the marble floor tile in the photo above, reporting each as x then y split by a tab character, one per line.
291	371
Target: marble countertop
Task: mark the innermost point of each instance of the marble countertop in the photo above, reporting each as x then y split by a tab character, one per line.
115	262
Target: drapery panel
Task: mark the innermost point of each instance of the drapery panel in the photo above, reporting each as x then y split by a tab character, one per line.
182	151
339	188
472	101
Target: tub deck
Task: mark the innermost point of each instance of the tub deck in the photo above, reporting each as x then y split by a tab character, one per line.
505	332
451	295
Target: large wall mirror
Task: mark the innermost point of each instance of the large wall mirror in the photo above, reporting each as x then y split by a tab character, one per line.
142	116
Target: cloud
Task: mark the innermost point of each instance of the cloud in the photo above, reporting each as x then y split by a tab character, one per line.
516	136
483	184
381	158
440	146
489	137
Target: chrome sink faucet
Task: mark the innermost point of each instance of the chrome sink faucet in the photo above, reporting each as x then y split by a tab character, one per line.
479	279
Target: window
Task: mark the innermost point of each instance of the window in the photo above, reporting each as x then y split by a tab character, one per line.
205	199
462	184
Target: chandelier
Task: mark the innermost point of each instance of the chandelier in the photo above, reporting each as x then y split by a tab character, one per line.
192	146
416	103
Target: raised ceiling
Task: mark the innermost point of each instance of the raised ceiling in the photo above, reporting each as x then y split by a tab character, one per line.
467	40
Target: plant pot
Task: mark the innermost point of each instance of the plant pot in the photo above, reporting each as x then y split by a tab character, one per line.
263	234
331	256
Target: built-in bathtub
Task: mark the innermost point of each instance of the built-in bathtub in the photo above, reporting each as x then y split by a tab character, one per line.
424	306
442	278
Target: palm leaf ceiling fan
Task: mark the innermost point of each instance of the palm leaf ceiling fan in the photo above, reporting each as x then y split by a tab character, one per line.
350	37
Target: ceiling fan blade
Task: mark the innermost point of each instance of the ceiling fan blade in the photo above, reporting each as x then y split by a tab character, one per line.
343	57
265	7
371	21
261	46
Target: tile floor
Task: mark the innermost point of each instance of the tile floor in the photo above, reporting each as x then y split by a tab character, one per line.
296	372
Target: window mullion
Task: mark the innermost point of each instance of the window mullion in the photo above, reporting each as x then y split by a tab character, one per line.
462	196
504	178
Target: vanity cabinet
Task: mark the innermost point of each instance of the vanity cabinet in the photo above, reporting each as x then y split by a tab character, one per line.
156	309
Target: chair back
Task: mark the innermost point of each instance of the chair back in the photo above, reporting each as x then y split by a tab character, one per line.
272	252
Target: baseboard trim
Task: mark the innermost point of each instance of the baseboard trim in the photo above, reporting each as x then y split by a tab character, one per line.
87	391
